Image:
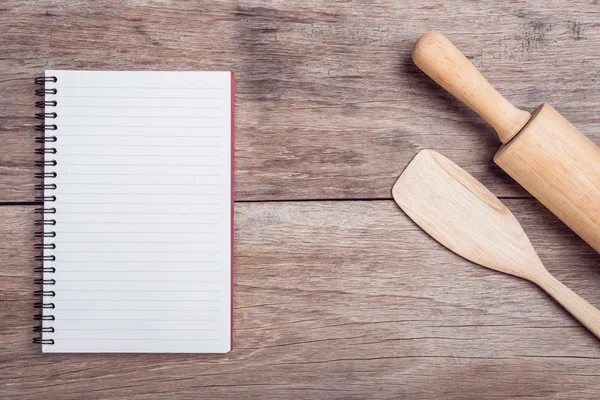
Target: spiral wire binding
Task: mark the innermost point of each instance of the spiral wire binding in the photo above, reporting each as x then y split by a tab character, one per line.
44	212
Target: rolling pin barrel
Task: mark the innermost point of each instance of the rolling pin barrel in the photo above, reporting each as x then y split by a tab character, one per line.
544	153
560	167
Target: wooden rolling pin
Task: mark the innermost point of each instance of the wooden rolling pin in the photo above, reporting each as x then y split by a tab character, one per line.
543	152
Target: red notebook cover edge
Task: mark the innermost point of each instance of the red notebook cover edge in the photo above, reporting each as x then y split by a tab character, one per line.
232	198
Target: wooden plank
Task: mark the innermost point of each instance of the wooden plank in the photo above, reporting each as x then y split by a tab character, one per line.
329	104
339	300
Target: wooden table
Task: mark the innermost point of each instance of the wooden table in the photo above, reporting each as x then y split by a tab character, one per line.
337	293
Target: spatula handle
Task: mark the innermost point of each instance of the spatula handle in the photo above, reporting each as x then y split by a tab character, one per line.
583	311
444	63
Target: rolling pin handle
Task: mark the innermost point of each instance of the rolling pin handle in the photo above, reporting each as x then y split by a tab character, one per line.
435	55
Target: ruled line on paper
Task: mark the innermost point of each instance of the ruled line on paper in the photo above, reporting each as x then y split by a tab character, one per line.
148	145
178	203
124	300
141	213
137	251
140	87
135	261
142	165
139	319
141	329
157	156
139	281
96	125
145	222
62	115
59	96
135	270
140	193
140	339
141	290
145	184
137	174
145	135
135	309
159	107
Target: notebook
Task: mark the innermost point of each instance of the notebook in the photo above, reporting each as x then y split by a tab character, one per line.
135	234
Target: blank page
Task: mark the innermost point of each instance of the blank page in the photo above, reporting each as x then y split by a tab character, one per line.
143	203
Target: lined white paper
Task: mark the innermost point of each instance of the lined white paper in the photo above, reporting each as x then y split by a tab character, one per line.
143	212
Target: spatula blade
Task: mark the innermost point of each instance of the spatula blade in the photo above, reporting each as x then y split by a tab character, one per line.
459	212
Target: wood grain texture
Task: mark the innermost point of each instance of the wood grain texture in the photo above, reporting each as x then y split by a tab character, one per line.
329	103
339	300
332	299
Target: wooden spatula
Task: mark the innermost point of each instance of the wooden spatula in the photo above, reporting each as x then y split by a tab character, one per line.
459	212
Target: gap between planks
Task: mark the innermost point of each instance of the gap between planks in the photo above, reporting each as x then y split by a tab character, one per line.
39	203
